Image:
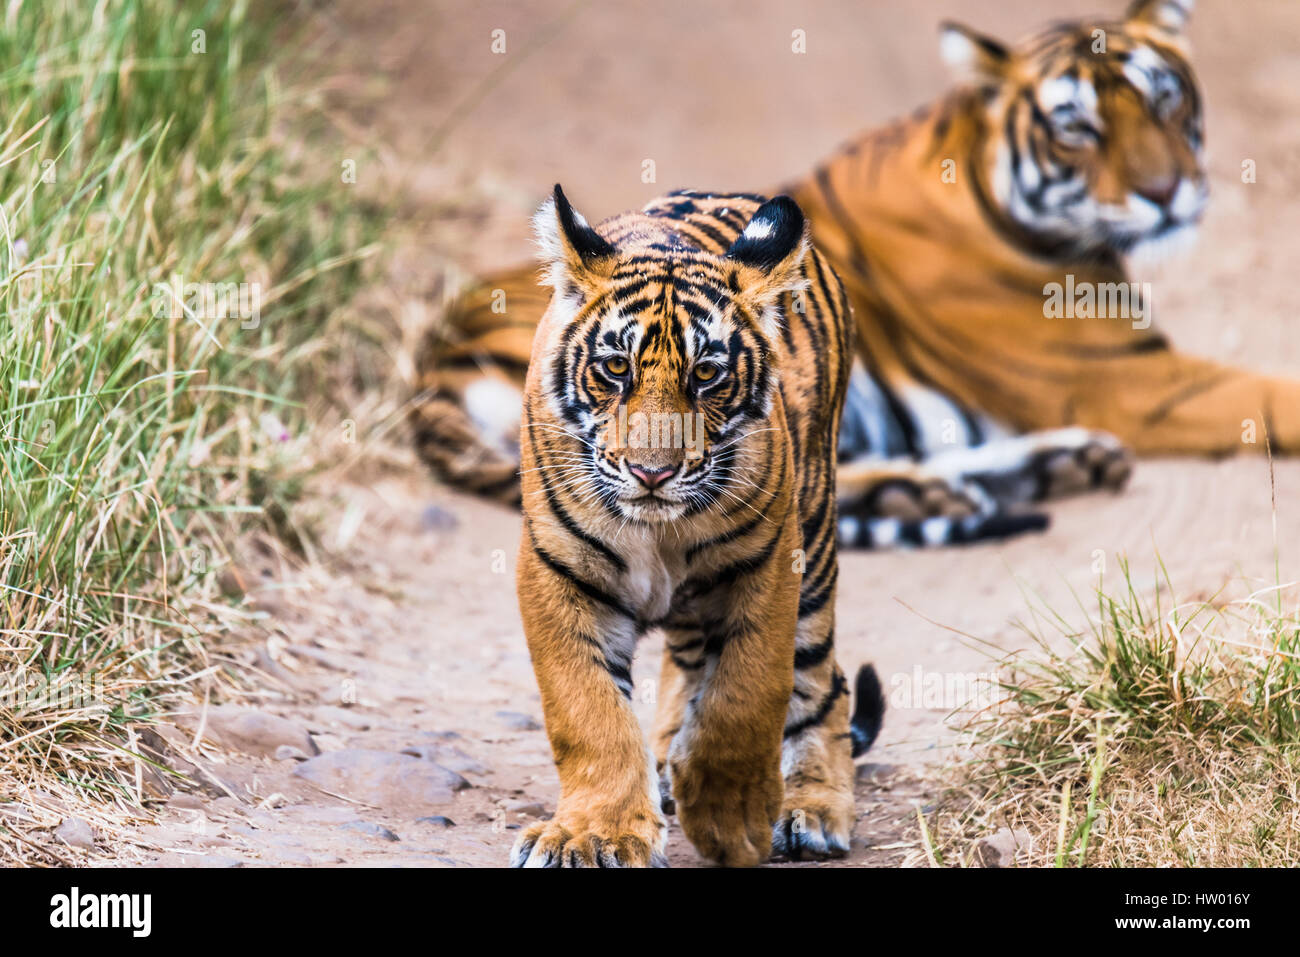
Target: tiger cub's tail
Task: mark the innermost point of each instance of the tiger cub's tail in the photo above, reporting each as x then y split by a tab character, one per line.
868	710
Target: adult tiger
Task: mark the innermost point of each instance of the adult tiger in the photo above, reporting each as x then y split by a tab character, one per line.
954	230
723	535
1050	162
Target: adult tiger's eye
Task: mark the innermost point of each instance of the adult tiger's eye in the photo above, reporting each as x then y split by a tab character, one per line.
616	366
706	371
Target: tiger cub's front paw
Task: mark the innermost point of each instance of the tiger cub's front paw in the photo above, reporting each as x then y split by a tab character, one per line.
580	840
727	813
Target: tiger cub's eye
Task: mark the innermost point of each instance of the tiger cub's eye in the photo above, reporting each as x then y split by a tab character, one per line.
616	366
706	371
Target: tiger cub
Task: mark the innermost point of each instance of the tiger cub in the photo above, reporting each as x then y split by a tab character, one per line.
678	461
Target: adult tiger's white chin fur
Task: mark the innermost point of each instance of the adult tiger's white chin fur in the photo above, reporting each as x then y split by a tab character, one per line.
1167	245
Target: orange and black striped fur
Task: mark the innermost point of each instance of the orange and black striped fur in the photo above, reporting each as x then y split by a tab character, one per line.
678	462
1058	157
1052	160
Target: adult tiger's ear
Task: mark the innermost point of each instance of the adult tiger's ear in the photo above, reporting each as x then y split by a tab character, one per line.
1168	15
769	254
973	57
573	253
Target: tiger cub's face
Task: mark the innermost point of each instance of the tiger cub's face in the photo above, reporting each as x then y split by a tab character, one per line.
658	360
1094	127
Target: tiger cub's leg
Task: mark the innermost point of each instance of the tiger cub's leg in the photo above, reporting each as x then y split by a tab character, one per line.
725	760
678	677
608	814
816	755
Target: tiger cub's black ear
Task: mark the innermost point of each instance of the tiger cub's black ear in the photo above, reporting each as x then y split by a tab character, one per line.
774	231
769	252
571	250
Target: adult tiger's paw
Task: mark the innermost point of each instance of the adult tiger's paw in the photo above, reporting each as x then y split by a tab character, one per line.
928	497
727	815
557	844
1083	461
815	824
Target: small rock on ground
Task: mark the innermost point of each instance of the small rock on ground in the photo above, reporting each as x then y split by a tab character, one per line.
454	759
1003	846
439	820
381	778
75	832
526	808
518	721
371	829
256	732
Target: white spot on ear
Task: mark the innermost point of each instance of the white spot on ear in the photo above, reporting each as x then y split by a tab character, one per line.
758	229
1172	15
957	50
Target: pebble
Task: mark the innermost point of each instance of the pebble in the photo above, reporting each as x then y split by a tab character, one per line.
381	778
518	721
1003	846
437	519
344	716
527	808
287	752
441	820
292	857
449	757
185	801
875	772
75	832
371	829
256	732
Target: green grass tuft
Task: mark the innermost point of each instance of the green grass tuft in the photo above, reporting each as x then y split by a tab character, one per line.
136	435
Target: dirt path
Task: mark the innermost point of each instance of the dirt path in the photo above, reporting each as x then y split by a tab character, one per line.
407	639
405	667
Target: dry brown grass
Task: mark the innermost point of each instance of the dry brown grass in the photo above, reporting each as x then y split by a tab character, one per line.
1160	737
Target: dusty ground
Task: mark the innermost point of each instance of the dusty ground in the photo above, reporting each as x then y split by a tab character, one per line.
409	636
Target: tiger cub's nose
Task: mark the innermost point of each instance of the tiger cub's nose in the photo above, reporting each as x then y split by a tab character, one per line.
652	478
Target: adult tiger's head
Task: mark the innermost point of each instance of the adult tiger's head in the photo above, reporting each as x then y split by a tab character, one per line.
658	355
1093	128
